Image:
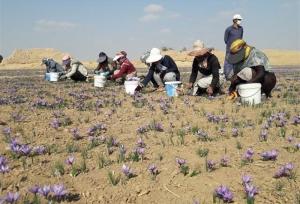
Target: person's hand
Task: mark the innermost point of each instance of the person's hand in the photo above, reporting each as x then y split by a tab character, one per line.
209	91
160	89
189	85
63	77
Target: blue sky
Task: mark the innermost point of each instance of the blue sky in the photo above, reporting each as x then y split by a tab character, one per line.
86	27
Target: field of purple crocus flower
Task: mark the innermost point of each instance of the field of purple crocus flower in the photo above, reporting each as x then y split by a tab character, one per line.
73	143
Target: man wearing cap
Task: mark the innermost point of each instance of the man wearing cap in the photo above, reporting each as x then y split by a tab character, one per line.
75	69
250	65
208	66
233	32
105	65
127	70
163	69
52	66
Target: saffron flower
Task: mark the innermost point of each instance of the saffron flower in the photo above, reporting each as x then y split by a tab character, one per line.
180	161
224	193
285	171
11	197
70	160
127	171
44	190
235	132
248	156
34	189
153	169
270	155
59	191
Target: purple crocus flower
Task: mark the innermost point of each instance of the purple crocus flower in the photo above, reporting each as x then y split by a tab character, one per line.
180	161
285	171
290	139
25	150
70	160
251	190
44	191
59	190
127	171
235	132
211	165
3	165
248	154
297	146
223	192
296	120
224	161
158	127
39	150
55	123
75	133
34	189
246	179
270	155
12	197
153	169
141	143
140	150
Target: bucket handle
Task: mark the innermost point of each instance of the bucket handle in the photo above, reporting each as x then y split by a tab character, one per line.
250	95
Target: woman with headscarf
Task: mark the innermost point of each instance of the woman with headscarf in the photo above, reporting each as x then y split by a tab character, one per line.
250	65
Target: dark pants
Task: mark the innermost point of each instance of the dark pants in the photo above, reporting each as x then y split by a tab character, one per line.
268	82
78	77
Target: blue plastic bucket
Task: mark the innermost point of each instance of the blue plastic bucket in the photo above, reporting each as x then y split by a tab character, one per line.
171	88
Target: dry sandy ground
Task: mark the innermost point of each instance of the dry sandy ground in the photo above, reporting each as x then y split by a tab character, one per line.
31	58
162	148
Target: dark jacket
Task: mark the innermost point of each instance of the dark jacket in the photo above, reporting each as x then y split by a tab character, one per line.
167	62
52	66
213	67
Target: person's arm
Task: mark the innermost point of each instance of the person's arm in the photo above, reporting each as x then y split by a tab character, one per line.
215	66
259	74
73	70
122	71
149	76
59	68
226	35
194	73
242	32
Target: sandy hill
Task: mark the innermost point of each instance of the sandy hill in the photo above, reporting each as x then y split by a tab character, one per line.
31	58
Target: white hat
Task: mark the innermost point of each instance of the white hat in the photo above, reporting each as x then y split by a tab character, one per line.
118	56
237	16
154	56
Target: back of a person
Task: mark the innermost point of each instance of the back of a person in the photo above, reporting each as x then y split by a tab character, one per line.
129	66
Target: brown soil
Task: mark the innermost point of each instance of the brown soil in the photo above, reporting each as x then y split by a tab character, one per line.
170	186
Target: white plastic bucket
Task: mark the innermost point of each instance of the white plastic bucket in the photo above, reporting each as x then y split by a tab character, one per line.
99	81
130	86
47	76
53	76
250	93
171	88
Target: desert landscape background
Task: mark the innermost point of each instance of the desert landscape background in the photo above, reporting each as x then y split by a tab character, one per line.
31	58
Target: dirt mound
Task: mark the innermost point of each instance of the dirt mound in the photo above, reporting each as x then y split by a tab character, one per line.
32	56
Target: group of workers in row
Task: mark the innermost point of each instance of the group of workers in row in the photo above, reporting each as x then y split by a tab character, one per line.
243	64
249	65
